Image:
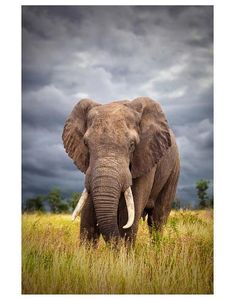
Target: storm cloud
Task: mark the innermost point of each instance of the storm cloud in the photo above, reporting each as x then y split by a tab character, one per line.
113	53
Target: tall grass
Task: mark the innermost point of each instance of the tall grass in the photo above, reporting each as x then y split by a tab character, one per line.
178	262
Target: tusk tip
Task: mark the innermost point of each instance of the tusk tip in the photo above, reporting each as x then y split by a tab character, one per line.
126	226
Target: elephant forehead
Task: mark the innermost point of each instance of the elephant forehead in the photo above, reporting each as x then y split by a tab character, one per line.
108	130
114	114
112	126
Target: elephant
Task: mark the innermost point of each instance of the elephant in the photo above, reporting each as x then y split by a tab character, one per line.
131	164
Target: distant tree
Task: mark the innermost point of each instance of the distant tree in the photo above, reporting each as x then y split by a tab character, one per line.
74	199
202	187
35	204
55	201
176	204
63	207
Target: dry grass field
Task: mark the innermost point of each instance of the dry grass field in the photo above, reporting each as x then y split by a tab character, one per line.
178	262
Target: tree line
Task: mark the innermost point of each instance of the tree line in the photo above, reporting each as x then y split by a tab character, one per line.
55	203
204	199
52	202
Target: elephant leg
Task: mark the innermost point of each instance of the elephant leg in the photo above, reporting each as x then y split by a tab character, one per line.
141	190
163	203
89	231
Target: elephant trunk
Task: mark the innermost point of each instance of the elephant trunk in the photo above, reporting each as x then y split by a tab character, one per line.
105	186
106	192
108	181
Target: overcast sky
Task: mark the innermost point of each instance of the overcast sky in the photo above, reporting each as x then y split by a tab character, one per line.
114	53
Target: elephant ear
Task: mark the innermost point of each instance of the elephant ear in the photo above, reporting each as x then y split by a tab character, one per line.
74	130
154	136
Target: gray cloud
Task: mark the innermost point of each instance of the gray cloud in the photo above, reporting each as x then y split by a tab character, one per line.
109	53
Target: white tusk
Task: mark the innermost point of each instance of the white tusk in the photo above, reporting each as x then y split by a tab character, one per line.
130	207
80	204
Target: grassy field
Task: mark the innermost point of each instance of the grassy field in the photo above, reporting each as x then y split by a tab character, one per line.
180	262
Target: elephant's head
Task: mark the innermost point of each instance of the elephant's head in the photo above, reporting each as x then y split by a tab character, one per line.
112	144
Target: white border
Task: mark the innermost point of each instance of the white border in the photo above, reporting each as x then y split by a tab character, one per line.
11	145
120	2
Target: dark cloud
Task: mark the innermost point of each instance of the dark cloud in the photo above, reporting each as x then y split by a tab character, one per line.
109	53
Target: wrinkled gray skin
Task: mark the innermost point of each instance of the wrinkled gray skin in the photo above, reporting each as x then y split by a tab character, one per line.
117	145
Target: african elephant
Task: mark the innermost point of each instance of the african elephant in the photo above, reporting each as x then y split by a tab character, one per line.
131	161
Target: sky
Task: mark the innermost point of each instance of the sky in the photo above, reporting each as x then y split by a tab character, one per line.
114	53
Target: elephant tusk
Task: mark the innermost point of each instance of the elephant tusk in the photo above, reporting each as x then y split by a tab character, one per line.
80	204
130	207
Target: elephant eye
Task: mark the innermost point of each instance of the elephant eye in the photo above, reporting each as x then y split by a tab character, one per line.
85	142
132	146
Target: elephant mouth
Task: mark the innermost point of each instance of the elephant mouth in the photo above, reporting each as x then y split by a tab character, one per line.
129	204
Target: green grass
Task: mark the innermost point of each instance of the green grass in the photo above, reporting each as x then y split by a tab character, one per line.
179	262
